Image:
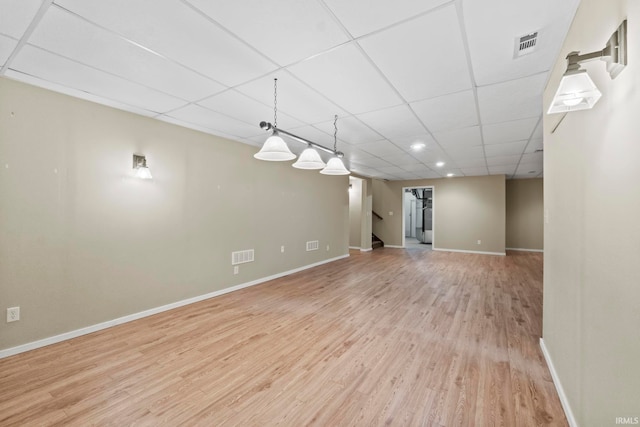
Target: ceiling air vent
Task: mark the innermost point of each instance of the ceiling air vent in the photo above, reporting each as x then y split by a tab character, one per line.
525	44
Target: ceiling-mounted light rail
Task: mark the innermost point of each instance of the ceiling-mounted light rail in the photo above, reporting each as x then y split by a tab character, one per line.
269	127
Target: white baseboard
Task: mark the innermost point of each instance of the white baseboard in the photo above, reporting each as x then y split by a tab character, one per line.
366	250
470	252
556	382
357	248
525	250
135	316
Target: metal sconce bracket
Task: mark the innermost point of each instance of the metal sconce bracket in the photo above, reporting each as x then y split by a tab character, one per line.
614	53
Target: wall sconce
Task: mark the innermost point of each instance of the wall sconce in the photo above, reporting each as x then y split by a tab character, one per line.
140	166
577	91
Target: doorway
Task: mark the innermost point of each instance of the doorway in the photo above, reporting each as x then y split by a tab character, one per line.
418	217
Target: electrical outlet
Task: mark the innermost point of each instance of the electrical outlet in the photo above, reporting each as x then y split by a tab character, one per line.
236	269
479	241
13	314
282	249
390	213
327	248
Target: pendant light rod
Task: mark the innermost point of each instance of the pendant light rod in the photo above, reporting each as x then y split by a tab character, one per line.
268	126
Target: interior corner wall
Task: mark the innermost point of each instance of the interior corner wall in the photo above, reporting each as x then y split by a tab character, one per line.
591	312
465	210
525	214
83	242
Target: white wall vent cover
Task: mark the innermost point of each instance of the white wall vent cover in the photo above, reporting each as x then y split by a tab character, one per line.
240	257
313	245
525	44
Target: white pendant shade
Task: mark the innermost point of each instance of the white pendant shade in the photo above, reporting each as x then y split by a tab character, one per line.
309	159
576	92
143	172
275	150
335	167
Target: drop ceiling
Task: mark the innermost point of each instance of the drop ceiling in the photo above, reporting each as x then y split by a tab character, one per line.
441	73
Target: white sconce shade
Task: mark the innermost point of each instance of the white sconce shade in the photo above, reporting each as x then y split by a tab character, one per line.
335	167
140	165
310	160
143	172
576	92
275	150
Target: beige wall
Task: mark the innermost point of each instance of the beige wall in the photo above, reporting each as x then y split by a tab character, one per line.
81	242
466	209
525	214
591	318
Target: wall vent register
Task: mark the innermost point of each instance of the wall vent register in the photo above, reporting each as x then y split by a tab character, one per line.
313	245
240	257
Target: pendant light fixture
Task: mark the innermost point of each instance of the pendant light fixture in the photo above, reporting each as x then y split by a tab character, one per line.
309	159
335	165
274	148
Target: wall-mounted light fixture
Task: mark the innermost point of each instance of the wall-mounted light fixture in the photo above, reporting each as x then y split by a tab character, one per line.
276	149
140	166
577	91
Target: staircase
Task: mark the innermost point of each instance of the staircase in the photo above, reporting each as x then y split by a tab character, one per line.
376	242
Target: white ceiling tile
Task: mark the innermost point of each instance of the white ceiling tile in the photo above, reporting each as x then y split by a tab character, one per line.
436	68
493	25
216	122
512	100
533	158
354	154
393	170
431	175
503	161
471	163
48	66
17	15
381	148
417	168
350	130
176	31
515	130
534	146
348	78
405	142
66	34
394	123
448	111
7	45
506	149
286	30
529	169
481	171
374	162
364	16
294	98
459	138
502	170
77	93
403	160
407	176
465	153
239	106
199	128
537	133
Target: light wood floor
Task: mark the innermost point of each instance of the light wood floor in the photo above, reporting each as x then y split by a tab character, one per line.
390	337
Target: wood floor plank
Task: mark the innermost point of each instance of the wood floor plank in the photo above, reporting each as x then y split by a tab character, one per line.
389	337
